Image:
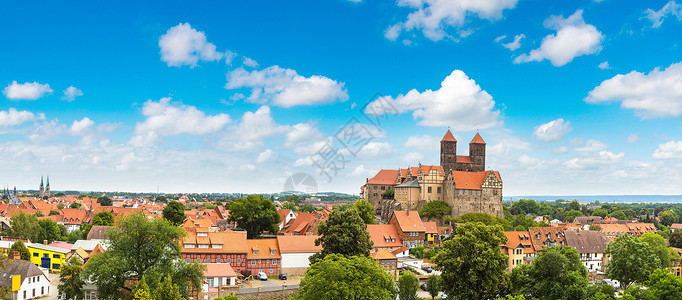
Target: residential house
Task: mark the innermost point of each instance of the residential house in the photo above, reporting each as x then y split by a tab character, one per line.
263	256
386	259
303	224
47	256
518	248
638	229
542	237
24	279
591	245
409	226
296	251
431	234
285	216
216	247
384	236
219	274
88	245
72	218
614	230
675	226
98	232
583	220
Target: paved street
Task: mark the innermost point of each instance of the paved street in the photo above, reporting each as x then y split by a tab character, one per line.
54	282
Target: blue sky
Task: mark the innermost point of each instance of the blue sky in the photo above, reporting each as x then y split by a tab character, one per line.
572	97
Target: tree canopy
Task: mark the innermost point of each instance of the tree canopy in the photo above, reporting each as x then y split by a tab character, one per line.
343	233
174	212
556	273
407	286
21	248
365	211
659	246
254	214
435	210
105	201
141	247
472	264
632	260
433	285
676	239
71	284
336	277
24	226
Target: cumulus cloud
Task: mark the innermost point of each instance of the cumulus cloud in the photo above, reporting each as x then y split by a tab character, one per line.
632	138
46	131
71	93
560	150
657	94
165	118
424	142
13	117
81	127
552	131
413	157
249	133
434	17
266	156
513	45
183	45
285	88
670	149
250	62
361	170
573	38
594	160
26	91
604	66
587	146
669	9
370	150
459	103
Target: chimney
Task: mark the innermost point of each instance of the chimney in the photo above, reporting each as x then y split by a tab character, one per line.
14	255
44	242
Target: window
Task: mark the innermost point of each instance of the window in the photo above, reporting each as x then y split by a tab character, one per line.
56	266
198	259
202	233
259	261
42	290
217	260
274	263
203	246
229	260
189	259
428	189
383	188
239	260
35	254
208	260
190	245
255	252
55	255
438	190
253	262
271	271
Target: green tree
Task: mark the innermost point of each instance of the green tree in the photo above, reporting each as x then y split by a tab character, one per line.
289	205
418	252
105	201
659	246
407	286
632	260
60	206
254	214
24	226
365	210
556	273
483	218
48	231
339	277
600	212
637	292
294	199
75	205
526	206
595	227
167	290
433	285
472	264
161	198
600	292
344	233
53	213
227	297
668	217
435	210
174	212
21	248
71	283
619	214
142	291
389	194
676	239
141	247
103	218
574	205
570	215
664	285
306	208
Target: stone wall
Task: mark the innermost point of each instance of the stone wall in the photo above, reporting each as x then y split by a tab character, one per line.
274	295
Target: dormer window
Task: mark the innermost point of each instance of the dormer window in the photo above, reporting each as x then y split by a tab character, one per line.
273	252
255	252
202	233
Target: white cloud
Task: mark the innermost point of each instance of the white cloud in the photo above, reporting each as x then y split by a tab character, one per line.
250	62
82	126
266	156
13	117
657	94
459	103
71	93
285	88
46	131
370	150
305	138
307	161
248	167
362	171
26	91
587	146
499	38
229	56
165	118
632	138
433	17
552	131
670	149
604	66
594	160
413	157
573	38
183	45
515	44
656	17
561	150
424	142
251	130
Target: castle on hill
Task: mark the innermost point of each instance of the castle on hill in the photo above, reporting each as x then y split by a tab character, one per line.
461	181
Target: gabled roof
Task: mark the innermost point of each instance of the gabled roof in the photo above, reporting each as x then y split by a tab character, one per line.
98	232
586	241
380	233
427	169
540	235
409	222
448	137
383	254
464	159
264	248
387	177
516	238
477	139
431	227
298	243
471	180
412	183
676	226
87	245
219	270
232	242
23	268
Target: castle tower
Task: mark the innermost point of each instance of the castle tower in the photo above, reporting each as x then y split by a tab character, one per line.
41	191
477	153
47	187
448	152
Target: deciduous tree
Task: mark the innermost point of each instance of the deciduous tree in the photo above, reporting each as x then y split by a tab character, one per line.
556	273
659	246
668	217
174	212
676	239
21	248
339	277
664	285
48	231
24	226
254	214
407	286
365	211
105	201
343	233
71	283
435	210
632	260
472	265
433	285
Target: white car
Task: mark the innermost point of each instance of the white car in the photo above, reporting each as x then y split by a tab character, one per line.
262	276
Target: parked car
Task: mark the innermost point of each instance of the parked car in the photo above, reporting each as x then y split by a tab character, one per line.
427	269
262	276
444	296
423	286
283	276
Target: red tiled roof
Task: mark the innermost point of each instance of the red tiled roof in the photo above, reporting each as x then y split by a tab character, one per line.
283	214
232	242
427	169
383	254
304	223
379	233
469	180
477	139
465	159
298	243
431	227
449	137
514	238
409	222
387	177
219	270
264	248
676	226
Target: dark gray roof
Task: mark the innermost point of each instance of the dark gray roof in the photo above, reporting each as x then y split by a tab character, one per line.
17	267
98	232
409	183
586	241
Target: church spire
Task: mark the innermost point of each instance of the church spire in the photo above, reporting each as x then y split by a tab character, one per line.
48	181
41	181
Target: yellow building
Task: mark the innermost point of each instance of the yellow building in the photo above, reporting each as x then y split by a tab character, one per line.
46	256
